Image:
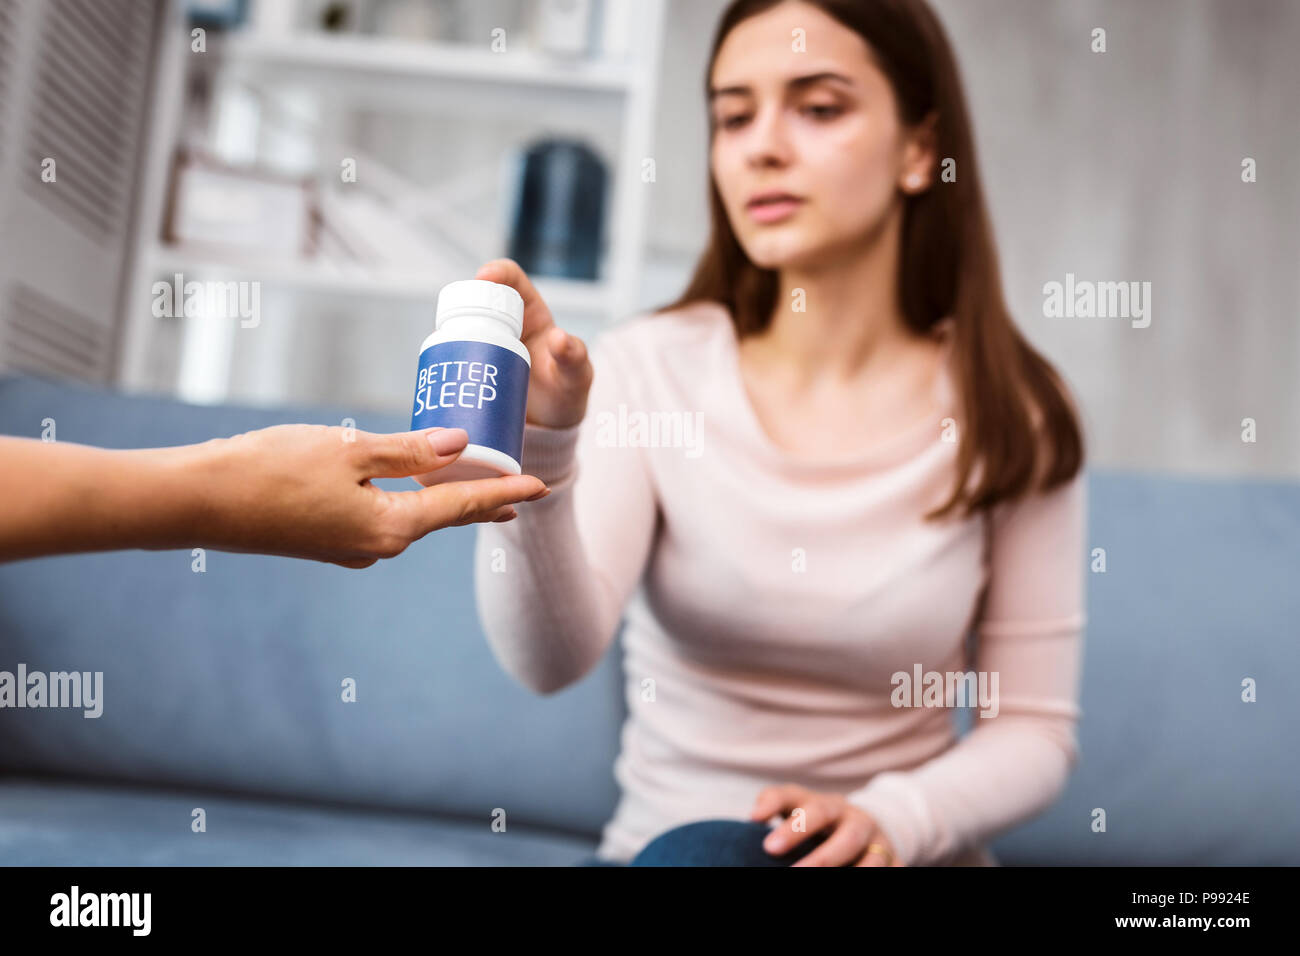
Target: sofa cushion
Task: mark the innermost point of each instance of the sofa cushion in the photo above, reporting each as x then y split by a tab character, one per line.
51	823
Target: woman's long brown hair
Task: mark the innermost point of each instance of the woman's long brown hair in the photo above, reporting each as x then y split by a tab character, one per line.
948	267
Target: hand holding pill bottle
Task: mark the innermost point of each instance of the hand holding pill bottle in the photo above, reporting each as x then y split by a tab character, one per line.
561	371
495	361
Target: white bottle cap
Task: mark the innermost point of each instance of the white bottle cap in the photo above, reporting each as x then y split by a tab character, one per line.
481	297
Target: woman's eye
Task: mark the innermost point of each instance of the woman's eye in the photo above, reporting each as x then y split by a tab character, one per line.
822	111
818	111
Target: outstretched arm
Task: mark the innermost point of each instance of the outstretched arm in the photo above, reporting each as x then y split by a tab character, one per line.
551	586
301	491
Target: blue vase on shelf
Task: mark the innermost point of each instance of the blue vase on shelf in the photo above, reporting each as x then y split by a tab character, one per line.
559	210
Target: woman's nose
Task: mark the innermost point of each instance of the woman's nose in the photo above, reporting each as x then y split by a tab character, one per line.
768	141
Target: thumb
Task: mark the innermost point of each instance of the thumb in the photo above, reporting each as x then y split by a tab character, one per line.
401	454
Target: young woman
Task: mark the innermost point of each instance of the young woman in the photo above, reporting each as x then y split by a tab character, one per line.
864	462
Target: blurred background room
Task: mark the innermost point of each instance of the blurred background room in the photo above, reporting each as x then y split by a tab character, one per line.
319	169
343	159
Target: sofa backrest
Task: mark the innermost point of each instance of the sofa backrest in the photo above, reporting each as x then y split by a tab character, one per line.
232	677
1200	594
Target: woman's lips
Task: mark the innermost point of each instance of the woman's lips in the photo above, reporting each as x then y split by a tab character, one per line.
774	210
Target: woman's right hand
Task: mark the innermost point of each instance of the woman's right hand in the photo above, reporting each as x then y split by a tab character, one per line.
561	372
302	491
306	491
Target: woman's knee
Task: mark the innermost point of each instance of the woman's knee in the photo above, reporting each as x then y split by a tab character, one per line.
716	843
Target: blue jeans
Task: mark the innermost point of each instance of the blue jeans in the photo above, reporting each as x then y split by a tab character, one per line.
713	843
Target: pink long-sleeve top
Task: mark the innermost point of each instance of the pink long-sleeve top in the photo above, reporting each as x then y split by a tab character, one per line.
771	602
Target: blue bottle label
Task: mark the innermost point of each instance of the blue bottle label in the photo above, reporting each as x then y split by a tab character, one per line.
477	386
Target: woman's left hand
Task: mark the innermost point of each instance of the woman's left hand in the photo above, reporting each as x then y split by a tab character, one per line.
854	840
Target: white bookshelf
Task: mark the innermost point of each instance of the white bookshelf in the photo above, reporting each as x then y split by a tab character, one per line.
336	278
358	71
364	58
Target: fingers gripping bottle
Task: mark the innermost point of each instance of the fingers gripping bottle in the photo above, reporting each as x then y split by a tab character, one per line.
473	374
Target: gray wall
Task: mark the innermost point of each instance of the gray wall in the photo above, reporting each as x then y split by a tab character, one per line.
1122	166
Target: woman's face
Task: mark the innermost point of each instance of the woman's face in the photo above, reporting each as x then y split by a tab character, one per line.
819	125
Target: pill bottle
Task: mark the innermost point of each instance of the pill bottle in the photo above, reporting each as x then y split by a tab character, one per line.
473	374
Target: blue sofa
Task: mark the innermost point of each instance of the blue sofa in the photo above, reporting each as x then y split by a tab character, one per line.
222	691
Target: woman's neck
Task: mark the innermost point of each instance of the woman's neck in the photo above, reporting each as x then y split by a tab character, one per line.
851	323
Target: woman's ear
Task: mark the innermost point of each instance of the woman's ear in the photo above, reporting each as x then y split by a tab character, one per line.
919	155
